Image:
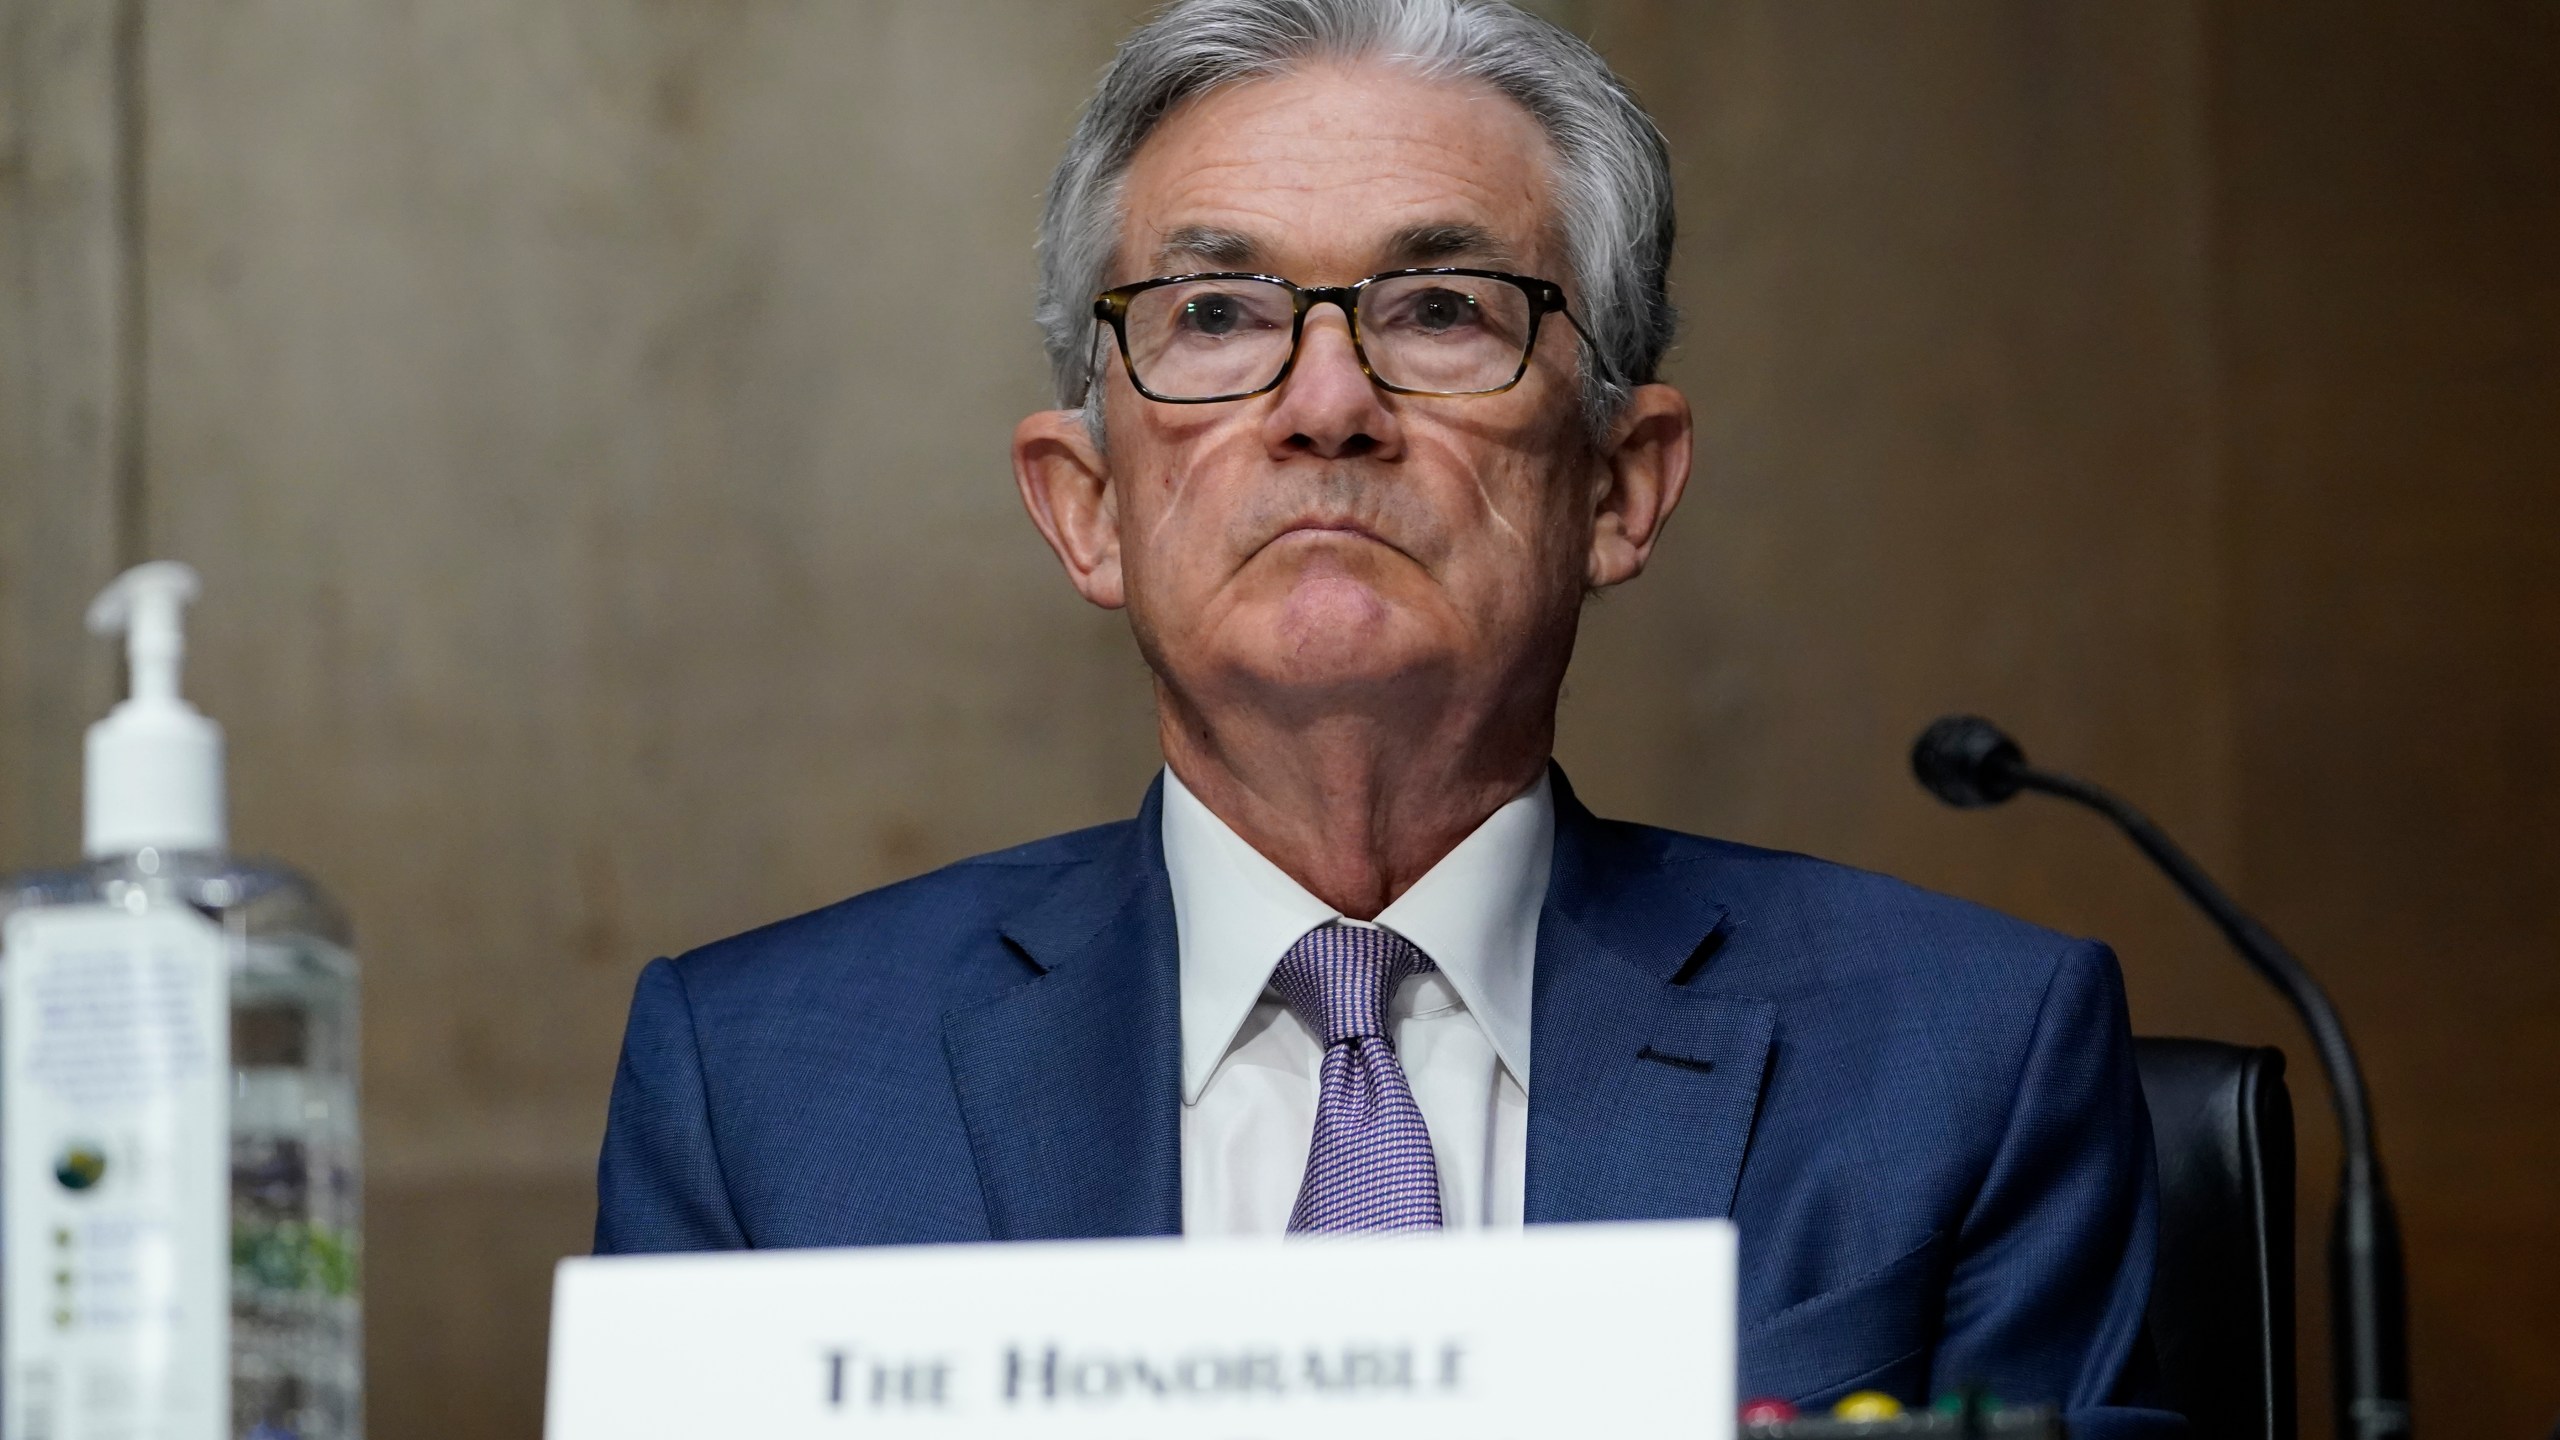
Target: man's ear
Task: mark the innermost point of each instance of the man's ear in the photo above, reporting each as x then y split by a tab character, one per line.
1066	485
1643	472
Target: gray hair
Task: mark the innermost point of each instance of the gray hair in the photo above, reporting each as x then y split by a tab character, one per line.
1613	171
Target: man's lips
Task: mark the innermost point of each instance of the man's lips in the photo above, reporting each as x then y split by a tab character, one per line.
1311	528
1332	527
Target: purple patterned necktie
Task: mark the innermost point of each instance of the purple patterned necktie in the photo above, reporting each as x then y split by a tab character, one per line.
1370	1166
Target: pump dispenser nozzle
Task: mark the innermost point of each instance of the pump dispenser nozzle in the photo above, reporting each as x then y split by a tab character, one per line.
155	762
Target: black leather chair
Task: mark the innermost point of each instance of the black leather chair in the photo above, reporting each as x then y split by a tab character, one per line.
2221	1318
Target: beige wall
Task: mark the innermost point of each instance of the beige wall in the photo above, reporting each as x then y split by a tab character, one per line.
590	419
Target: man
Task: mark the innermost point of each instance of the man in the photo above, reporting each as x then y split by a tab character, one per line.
1356	306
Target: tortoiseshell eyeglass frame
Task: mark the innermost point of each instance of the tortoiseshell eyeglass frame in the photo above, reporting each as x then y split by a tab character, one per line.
1546	297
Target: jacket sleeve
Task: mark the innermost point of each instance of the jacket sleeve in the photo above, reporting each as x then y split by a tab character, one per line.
658	1184
2052	1267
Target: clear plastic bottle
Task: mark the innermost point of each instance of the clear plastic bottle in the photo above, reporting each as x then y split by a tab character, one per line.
297	1340
294	1324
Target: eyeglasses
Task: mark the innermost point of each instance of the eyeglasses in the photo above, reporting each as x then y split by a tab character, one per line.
1194	339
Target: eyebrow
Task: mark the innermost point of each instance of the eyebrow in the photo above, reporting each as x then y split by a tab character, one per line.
1208	245
1441	243
1438	243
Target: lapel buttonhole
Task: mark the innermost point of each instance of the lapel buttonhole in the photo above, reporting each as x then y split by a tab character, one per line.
1677	1062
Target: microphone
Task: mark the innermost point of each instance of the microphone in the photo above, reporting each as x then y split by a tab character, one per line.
1968	762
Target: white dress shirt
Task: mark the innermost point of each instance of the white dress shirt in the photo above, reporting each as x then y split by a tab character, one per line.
1250	1069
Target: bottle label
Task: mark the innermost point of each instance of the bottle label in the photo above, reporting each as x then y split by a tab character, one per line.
114	1170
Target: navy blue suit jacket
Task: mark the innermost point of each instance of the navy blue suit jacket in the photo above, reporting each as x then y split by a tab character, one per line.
1923	1115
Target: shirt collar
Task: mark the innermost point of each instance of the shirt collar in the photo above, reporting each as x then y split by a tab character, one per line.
1475	913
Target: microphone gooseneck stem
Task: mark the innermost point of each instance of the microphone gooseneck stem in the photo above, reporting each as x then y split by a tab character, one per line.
2367	1295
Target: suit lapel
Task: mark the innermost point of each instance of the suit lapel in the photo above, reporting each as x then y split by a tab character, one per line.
1071	1083
1644	1081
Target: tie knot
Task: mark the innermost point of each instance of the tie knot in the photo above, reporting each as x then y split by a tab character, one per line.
1337	978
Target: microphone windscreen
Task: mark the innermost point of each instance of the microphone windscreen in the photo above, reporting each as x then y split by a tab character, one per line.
1967	761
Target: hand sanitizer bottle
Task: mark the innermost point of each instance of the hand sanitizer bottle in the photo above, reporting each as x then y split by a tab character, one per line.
179	1196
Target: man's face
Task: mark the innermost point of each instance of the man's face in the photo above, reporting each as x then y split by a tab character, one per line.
1328	544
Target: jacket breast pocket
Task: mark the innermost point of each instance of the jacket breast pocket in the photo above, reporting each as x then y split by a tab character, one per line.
1875	1332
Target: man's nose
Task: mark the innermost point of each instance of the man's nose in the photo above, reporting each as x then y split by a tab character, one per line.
1327	407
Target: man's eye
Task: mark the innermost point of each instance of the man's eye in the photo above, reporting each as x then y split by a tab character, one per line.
1213	315
1439	311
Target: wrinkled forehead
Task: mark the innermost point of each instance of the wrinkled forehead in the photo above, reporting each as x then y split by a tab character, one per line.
1334	171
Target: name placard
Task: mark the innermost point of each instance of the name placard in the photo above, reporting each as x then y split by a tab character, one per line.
1559	1330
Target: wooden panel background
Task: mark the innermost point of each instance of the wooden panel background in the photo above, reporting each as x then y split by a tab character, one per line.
66	409
590	419
2389	194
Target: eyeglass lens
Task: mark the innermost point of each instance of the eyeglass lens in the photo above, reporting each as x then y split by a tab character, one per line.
1453	334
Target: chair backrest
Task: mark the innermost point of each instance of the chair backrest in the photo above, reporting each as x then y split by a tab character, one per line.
2221	1318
